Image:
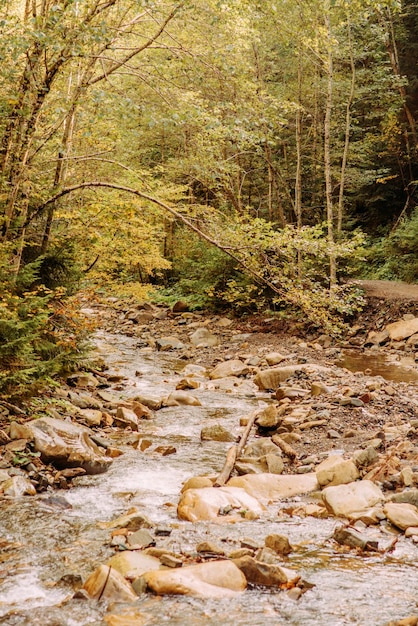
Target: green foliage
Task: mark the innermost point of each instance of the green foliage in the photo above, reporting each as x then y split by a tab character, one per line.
395	257
41	332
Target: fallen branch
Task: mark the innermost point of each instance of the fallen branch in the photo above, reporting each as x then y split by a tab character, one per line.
234	453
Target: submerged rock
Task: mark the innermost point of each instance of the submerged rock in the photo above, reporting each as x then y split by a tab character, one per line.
215	579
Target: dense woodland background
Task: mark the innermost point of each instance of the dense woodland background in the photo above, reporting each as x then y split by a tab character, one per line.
231	153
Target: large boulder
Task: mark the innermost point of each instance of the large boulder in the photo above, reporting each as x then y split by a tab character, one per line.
272	487
352	500
65	444
209	502
402	329
215	579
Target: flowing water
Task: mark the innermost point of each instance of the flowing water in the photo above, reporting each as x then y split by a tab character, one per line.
42	540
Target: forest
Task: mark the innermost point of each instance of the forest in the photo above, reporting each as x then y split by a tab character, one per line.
234	154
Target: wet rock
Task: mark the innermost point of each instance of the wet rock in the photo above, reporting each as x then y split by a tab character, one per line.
152	403
105	583
352	500
141	538
279	543
207	503
401	515
265	574
17	486
203	338
269	487
234	367
209	547
214	579
126	418
134	520
354	539
188	383
128	617
132	564
217	432
141	411
336	471
165	450
65	444
177	398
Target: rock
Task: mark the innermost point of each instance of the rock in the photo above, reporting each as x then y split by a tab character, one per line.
265	574
272	464
352	500
141	411
84	401
216	433
126	418
401	515
409	496
352	538
364	458
105	583
165	450
164	344
269	417
234	367
188	383
407	476
131	521
402	329
19	431
279	543
214	579
207	503
177	398
272	377
17	486
209	547
203	338
336	471
128	617
274	358
269	487
197	482
132	564
65	444
93	417
261	447
141	538
169	560
82	380
152	403
411	531
293	393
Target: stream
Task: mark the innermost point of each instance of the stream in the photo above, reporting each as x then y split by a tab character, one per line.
50	540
